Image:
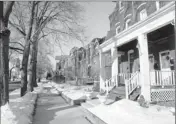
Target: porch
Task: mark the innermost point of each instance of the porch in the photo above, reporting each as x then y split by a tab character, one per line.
146	54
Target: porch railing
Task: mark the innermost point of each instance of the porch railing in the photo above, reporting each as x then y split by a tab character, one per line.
162	78
115	80
110	84
132	83
124	76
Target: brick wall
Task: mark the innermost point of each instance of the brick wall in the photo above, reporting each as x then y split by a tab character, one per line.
130	10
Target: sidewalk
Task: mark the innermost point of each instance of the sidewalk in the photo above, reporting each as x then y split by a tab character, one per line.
20	109
53	109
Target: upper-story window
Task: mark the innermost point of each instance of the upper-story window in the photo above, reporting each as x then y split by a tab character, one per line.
120	5
143	14
127	23
118	30
157	5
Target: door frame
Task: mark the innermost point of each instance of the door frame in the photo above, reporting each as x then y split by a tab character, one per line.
129	52
161	60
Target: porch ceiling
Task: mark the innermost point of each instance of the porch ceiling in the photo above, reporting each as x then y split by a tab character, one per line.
128	46
163	32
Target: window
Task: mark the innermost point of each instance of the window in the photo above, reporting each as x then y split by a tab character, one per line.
143	14
127	23
120	5
157	5
117	29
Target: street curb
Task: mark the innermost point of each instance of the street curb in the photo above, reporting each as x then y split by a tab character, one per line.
92	117
69	100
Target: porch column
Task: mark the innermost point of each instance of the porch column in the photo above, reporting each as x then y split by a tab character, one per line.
102	70
144	66
114	68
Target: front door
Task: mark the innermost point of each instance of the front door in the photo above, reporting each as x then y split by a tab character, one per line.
131	60
165	66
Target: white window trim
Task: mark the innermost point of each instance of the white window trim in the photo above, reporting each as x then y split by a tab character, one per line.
127	16
117	23
118	27
120	5
142	11
127	22
142	4
157	5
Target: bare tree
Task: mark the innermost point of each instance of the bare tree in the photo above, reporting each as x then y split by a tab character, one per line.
48	19
4	44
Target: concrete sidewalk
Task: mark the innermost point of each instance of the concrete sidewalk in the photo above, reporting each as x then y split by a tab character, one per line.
53	109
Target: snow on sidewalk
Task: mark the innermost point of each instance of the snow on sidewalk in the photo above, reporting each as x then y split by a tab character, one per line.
71	91
20	109
129	112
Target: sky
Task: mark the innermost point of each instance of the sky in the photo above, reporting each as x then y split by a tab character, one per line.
96	21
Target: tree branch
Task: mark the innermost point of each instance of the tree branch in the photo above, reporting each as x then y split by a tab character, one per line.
17	28
7	12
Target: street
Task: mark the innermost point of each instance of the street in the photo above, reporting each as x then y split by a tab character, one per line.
14	86
53	109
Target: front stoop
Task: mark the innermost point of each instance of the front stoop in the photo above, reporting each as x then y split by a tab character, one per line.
89	115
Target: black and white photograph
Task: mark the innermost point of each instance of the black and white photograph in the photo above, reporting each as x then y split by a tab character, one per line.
87	62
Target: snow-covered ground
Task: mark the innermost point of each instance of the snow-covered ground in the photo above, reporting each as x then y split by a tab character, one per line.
73	92
129	112
20	109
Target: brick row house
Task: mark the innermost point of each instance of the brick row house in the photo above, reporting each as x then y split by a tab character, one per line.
82	64
141	47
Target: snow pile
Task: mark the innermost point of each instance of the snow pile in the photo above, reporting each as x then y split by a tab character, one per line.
126	111
73	92
7	116
20	109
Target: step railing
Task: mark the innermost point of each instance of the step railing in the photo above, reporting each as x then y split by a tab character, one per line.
115	80
162	78
124	76
110	84
132	83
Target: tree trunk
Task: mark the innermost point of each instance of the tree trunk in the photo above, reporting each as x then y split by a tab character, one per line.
26	53
5	65
33	61
4	53
24	68
31	68
35	65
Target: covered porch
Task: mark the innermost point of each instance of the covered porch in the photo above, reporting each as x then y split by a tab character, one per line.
139	58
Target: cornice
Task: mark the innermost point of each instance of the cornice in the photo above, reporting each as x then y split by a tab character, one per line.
164	10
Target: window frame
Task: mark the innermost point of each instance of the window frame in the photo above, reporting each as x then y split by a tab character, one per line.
127	23
142	17
117	28
157	5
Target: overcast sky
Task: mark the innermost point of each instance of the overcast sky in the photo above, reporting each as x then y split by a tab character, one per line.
96	20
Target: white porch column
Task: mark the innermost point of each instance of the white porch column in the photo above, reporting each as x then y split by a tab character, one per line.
102	70
144	66
114	57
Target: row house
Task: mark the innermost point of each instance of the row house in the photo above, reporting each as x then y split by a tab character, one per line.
82	64
141	47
